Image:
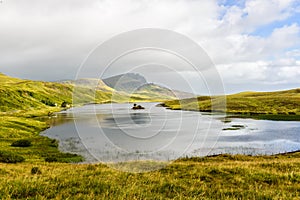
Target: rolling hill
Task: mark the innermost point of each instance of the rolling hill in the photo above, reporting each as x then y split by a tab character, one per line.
156	90
92	83
280	105
17	95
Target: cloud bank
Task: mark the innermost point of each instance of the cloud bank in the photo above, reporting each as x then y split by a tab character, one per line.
255	44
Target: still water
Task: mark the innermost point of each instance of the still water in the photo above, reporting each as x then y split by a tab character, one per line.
115	132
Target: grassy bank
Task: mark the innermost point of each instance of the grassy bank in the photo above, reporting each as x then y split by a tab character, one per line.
220	177
24	108
13	129
282	105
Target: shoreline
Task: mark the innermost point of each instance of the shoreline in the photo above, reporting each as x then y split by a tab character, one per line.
43	117
87	156
248	115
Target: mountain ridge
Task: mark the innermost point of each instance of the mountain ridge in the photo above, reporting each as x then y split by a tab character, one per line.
127	82
137	84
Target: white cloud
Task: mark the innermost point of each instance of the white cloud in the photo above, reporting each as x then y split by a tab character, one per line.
289	74
285	37
282	71
244	71
293	53
59	34
261	12
256	13
245	48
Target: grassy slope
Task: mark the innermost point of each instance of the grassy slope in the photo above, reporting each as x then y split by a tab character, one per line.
274	105
19	96
156	91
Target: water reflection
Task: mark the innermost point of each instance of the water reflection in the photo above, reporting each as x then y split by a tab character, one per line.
140	118
129	119
116	133
61	118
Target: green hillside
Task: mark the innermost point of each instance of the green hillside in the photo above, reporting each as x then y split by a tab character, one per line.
156	91
19	96
159	91
279	105
97	84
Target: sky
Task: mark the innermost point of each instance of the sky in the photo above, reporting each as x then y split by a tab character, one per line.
254	44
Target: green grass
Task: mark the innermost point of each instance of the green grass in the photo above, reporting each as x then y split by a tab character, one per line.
283	105
219	177
18	95
13	129
156	91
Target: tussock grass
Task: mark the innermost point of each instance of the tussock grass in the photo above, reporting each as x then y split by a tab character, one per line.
218	177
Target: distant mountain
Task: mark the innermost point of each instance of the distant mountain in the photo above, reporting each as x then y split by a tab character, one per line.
183	95
156	91
91	83
125	82
136	83
160	91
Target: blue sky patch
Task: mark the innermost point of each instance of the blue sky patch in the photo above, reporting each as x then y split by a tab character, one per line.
266	31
